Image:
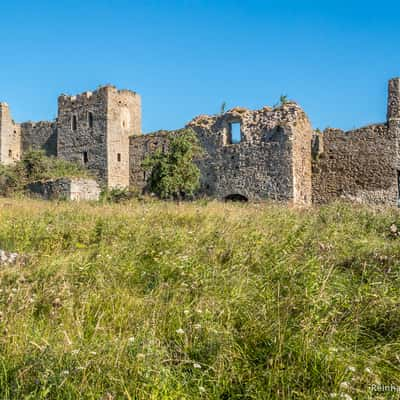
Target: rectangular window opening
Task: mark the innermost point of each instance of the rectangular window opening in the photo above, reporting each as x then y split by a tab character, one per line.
85	157
74	123
235	133
90	119
119	157
9	153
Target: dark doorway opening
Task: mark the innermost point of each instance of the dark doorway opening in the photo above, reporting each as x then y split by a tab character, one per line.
85	157
236	197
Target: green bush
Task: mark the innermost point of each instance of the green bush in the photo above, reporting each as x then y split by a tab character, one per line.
118	195
174	174
36	166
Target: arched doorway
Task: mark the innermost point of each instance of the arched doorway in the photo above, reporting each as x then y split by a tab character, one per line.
236	197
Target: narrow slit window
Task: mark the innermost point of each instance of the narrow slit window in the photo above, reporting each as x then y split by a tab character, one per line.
90	119
398	188
74	123
85	157
119	157
9	153
235	134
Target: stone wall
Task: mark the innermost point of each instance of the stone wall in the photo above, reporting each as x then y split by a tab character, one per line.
39	135
124	120
272	160
10	136
94	128
81	130
358	165
66	189
139	148
274	152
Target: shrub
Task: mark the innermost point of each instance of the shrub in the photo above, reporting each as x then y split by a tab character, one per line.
118	195
36	166
174	175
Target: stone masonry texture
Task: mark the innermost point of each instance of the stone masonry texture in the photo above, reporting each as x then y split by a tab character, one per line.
66	189
278	156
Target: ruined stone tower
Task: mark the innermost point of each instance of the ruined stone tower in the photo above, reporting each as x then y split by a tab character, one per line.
93	128
10	136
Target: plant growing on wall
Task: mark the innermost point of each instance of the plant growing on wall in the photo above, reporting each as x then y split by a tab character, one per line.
223	108
173	174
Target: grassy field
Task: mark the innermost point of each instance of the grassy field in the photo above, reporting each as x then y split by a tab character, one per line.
198	301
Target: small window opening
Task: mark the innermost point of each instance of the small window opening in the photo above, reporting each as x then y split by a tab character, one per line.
144	175
119	157
9	153
90	119
123	124
235	133
74	123
85	157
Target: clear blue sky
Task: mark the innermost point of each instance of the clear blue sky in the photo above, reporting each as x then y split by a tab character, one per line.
186	57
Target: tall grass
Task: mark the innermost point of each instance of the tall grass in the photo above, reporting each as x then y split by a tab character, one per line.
198	301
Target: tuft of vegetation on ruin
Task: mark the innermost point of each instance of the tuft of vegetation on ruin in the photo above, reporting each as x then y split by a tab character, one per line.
155	300
35	166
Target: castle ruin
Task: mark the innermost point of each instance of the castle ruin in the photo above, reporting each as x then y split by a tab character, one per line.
272	153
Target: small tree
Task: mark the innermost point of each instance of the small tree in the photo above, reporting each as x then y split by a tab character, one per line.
174	175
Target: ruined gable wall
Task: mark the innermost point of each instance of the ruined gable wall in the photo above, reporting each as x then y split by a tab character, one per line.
10	136
358	165
72	144
262	165
39	135
124	120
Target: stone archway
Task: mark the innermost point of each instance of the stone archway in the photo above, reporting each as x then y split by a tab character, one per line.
236	197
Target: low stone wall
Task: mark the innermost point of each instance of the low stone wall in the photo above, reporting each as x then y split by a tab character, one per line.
66	189
358	165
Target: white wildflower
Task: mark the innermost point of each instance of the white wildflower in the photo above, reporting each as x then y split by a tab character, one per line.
75	352
197	366
351	368
202	389
368	370
131	339
333	349
346	396
333	395
66	372
344	385
197	326
180	331
93	353
186	312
